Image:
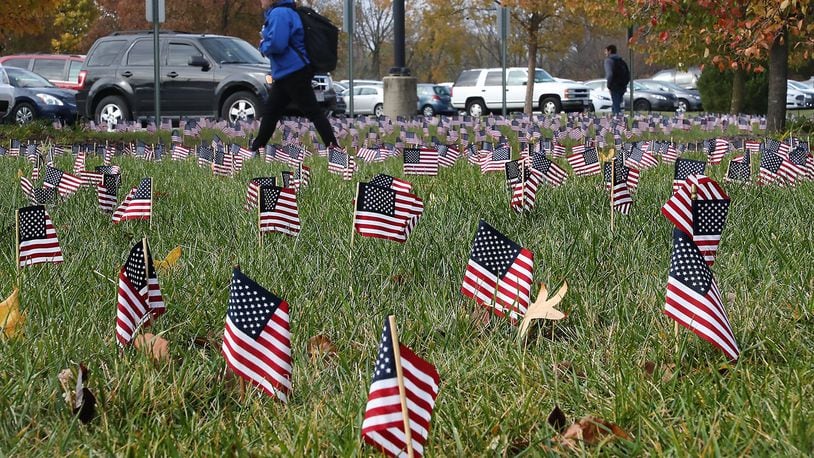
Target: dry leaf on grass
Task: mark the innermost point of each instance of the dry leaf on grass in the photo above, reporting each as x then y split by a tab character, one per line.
591	431
667	370
320	346
544	307
11	319
481	317
566	368
153	346
730	298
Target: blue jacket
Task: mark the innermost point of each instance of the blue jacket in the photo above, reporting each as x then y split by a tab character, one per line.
283	33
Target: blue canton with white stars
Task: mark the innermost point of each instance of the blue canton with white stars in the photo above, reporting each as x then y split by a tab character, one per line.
385	367
250	305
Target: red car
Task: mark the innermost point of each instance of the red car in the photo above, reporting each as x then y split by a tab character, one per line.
60	69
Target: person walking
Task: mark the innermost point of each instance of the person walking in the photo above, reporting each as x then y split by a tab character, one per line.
617	75
283	42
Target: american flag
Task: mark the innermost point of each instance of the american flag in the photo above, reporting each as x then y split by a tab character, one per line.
107	192
772	145
110	150
176	136
90	178
278	210
222	163
138	204
684	168
384	423
139	298
448	155
558	149
622	178
340	163
293	154
584	163
301	178
693	299
37	237
370	154
717	148
496	159
701	218
79	162
670	153
111	169
753	146
799	156
253	190
553	174
499	273
524	190
738	171
37	196
386	214
65	183
641	157
421	161
14	147
390	182
205	156
776	169
179	152
257	336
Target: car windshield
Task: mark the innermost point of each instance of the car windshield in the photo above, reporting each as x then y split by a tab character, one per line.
541	76
797	85
26	79
232	51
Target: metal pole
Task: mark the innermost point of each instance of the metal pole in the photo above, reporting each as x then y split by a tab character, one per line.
156	65
630	59
398	39
350	19
502	16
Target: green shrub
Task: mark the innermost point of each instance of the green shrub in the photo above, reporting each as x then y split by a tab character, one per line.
716	91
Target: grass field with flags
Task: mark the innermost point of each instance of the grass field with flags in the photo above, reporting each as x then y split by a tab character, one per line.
615	357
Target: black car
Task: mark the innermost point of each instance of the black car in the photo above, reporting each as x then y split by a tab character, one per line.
688	99
37	98
201	75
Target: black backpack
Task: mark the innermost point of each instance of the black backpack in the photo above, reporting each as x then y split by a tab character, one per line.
321	39
621	73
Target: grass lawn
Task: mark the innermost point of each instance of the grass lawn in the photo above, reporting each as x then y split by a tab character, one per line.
496	391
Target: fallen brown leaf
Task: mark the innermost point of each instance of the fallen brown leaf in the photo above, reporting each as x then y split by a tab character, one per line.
667	370
591	430
481	316
566	368
153	346
320	346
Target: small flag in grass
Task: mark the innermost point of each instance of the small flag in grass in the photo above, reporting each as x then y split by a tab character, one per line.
37	240
138	204
139	298
278	210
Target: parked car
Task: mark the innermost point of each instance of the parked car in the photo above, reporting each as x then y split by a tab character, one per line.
798	96
434	99
60	69
366	99
201	75
356	82
644	99
687	79
601	100
478	91
688	99
6	94
37	98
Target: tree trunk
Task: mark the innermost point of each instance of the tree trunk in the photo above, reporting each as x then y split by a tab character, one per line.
778	76
738	90
529	105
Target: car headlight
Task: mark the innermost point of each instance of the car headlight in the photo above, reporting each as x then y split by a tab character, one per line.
49	99
659	97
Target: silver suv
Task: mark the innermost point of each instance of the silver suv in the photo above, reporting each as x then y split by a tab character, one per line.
478	91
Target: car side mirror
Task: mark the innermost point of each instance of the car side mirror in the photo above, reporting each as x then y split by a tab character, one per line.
198	61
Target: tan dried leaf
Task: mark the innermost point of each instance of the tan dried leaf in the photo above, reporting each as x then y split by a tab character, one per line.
591	430
321	346
153	346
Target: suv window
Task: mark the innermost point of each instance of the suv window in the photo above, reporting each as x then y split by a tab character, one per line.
179	53
493	78
106	53
51	69
73	70
468	78
516	78
141	53
232	51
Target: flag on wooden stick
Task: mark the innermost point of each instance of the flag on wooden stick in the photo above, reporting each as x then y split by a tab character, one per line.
139	297
36	237
138	204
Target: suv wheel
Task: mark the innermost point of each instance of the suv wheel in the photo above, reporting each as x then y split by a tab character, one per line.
550	106
475	108
240	106
23	113
111	109
427	111
378	110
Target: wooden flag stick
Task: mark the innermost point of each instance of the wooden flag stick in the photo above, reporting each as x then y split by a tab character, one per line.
402	392
146	259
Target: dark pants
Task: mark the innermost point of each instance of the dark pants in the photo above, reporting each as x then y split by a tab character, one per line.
616	100
296	87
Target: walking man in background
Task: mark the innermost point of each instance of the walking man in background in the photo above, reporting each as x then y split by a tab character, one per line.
283	42
617	75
